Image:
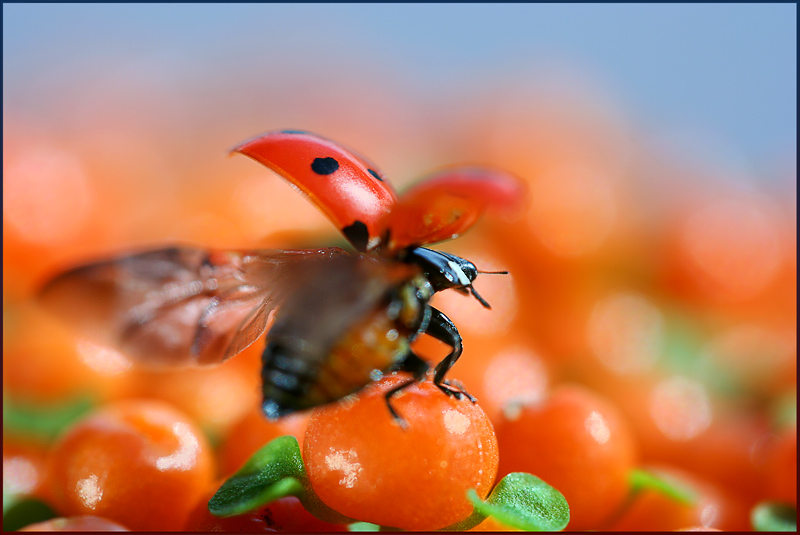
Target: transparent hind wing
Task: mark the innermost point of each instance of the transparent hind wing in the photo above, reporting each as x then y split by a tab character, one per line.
178	305
251	329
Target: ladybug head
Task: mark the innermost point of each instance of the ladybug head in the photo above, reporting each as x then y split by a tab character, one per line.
447	271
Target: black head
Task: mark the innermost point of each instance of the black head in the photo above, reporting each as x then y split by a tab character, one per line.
446	271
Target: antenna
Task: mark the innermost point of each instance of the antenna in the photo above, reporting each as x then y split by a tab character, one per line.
492	272
478	297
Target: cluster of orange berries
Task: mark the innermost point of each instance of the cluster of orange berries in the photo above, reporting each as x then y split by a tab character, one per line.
640	359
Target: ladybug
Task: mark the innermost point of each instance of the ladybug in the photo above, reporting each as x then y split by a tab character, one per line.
339	319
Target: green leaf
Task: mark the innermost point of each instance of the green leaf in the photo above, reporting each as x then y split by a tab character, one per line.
684	353
9	500
472	520
770	516
43	422
273	472
784	411
641	480
25	511
525	502
363	526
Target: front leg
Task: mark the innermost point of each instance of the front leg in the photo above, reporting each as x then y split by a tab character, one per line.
412	363
443	329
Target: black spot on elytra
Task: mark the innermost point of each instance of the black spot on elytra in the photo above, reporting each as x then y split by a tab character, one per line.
293	132
357	234
375	174
324	166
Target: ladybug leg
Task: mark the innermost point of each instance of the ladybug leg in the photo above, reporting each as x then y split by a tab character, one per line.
412	363
443	329
456	388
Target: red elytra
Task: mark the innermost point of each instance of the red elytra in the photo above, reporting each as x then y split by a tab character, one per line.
447	203
355	197
337	181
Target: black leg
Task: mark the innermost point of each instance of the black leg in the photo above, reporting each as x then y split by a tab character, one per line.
415	365
443	329
397	418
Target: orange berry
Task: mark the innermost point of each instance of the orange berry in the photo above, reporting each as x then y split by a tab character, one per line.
363	464
216	397
710	508
254	431
43	361
501	372
782	468
140	463
577	442
23	468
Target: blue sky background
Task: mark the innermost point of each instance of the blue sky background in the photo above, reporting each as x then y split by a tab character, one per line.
726	69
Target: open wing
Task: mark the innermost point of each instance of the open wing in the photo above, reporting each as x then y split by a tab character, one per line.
447	203
177	305
344	186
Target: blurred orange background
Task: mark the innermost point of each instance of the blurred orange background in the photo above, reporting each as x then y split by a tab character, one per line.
655	265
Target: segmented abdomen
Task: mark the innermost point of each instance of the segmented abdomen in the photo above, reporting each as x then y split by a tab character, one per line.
297	375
